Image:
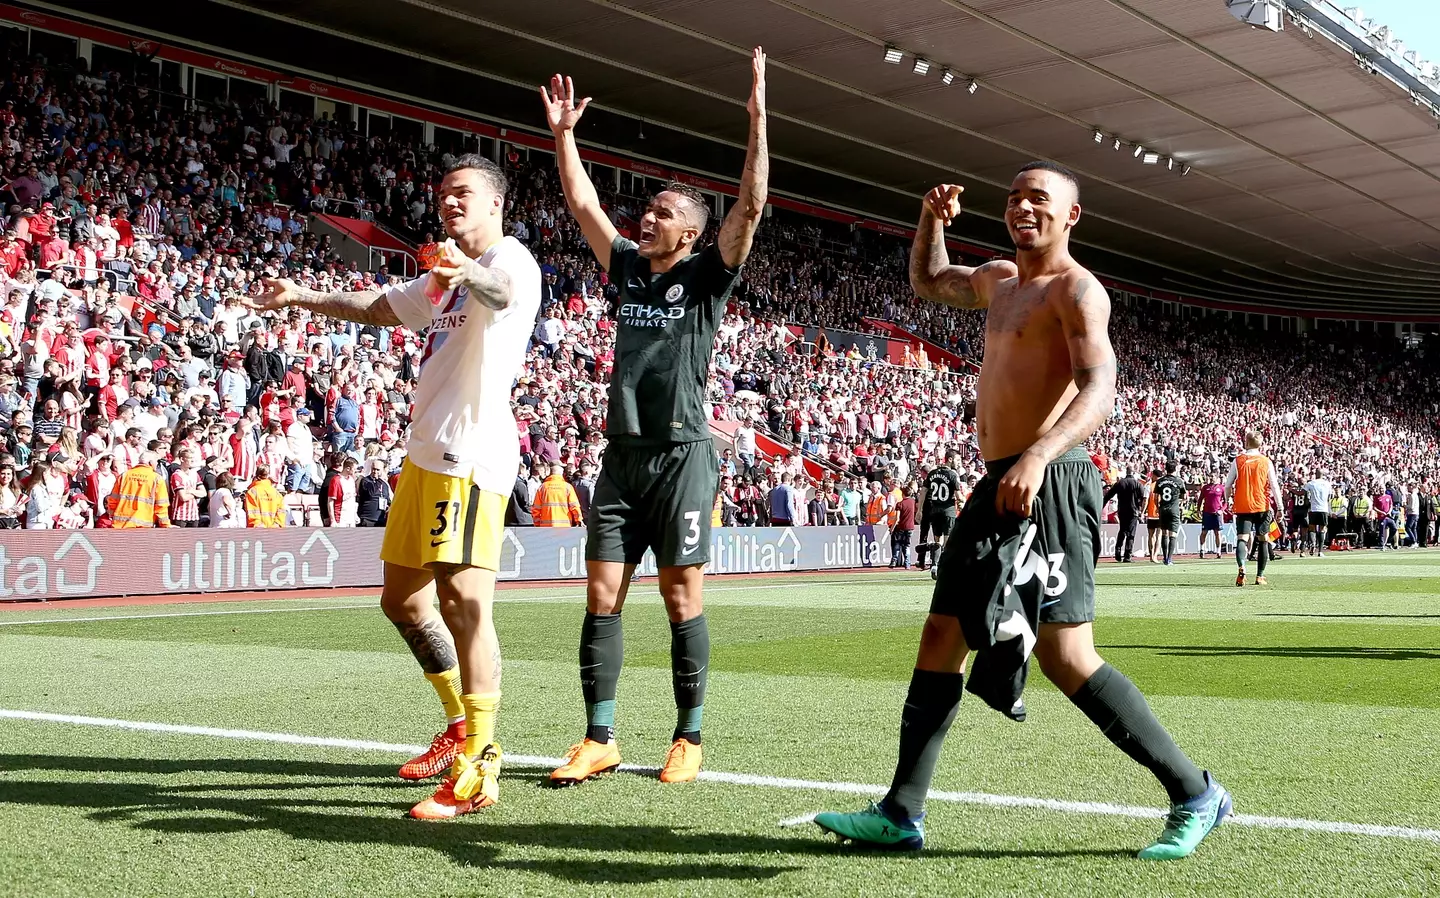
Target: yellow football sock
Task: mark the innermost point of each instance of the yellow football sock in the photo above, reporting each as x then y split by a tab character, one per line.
480	710
447	686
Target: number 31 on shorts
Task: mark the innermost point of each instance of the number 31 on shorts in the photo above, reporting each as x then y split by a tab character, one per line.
447	516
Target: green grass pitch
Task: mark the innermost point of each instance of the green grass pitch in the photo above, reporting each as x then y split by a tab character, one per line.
1316	698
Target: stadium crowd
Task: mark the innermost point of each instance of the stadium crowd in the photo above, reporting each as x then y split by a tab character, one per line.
130	369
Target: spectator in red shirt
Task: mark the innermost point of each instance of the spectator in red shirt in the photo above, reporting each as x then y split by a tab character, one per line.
294	380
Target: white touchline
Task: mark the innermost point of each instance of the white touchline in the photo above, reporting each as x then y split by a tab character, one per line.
500	597
750	779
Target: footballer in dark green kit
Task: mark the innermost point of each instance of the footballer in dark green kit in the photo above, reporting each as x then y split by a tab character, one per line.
659	475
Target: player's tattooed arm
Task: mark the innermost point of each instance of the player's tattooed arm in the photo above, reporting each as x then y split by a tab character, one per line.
365	307
490	286
738	232
430	643
1084	311
932	276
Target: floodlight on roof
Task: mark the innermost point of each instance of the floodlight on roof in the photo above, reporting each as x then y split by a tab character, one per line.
922	65
1151	158
893	54
947	77
1139	151
1099	136
973	86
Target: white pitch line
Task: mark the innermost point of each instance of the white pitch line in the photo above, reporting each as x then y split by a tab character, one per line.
748	779
499	598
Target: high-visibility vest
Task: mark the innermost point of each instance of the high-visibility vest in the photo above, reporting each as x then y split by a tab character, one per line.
556	504
1362	506
875	510
1151	509
1252	483
264	506
1337	507
895	497
715	517
139	499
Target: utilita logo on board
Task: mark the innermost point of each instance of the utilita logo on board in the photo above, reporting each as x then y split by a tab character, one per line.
245	564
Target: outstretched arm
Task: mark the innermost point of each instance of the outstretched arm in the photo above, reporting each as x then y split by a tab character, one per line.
365	307
738	231
562	113
932	276
1084	311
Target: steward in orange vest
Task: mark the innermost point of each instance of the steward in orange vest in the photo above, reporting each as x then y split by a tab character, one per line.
140	498
264	506
556	504
875	508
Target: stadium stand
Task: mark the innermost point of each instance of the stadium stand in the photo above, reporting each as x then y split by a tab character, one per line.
133	225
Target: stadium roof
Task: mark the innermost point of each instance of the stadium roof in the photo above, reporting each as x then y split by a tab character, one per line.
1313	181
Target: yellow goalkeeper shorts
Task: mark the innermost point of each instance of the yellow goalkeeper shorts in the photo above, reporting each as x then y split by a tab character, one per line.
440	519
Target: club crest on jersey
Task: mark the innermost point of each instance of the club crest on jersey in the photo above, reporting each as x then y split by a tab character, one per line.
674	294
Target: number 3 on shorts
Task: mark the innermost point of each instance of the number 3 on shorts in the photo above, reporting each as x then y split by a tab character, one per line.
692	536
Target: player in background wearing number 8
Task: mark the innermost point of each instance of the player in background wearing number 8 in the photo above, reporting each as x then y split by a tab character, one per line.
1169	492
477	306
658	477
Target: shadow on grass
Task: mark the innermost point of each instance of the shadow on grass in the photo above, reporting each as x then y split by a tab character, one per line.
1358	652
585	852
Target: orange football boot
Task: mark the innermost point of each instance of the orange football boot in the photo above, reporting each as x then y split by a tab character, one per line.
439	757
682	762
470	786
589	758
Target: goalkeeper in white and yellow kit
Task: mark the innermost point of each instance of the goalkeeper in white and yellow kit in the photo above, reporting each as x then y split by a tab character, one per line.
446	523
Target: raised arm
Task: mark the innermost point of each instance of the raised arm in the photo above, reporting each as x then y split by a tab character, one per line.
562	113
365	307
738	231
932	276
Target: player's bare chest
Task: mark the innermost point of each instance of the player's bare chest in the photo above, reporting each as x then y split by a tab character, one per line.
1021	313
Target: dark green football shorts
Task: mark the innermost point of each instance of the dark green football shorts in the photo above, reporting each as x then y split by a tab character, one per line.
653	497
1059	561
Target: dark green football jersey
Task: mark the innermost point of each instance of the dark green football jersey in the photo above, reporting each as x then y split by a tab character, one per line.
1169	492
664	337
941	487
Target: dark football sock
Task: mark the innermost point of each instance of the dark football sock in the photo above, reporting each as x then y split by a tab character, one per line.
1264	556
1167	545
602	652
689	661
930	707
1240	554
1114	705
